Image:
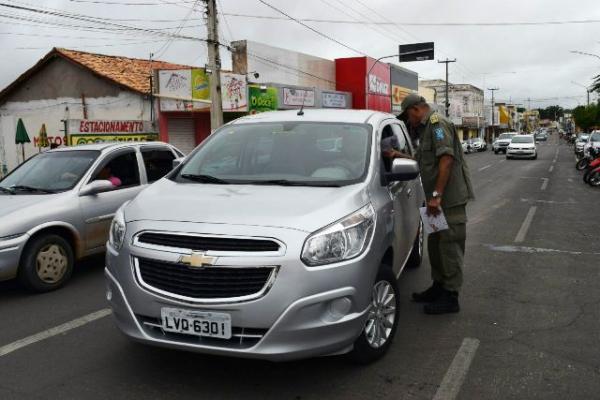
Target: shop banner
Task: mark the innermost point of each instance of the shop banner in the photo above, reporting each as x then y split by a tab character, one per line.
334	100
398	94
200	84
176	84
234	92
76	139
298	97
85	131
94	126
262	100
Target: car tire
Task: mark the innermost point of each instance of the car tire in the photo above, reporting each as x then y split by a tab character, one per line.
416	254
534	157
495	152
370	346
508	157
46	264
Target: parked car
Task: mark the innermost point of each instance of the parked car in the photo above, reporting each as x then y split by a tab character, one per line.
593	141
580	144
541	136
478	144
522	146
502	142
268	242
57	206
466	146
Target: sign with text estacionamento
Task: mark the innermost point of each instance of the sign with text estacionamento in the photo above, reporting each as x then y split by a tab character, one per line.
261	100
81	131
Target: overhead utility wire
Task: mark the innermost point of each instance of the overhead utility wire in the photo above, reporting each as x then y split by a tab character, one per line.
311	28
370	22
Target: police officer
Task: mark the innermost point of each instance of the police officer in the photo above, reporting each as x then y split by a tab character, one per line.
447	184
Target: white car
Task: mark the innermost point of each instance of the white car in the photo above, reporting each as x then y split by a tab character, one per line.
594	141
522	146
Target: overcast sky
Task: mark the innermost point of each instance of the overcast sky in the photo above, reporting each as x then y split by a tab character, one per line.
524	61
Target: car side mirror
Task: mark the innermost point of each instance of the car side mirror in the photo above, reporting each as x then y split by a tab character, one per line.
177	162
403	169
95	187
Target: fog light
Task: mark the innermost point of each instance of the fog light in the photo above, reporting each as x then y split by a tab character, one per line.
109	295
339	307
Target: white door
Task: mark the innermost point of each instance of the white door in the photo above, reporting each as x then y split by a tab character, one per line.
182	134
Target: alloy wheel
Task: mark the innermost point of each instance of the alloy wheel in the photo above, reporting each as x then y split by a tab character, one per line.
51	263
382	314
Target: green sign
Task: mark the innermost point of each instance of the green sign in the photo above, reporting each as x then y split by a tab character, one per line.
261	100
200	84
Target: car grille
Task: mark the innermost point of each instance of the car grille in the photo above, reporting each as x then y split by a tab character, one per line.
208	243
241	338
204	283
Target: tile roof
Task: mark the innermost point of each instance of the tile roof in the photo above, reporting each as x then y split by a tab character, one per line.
133	73
130	73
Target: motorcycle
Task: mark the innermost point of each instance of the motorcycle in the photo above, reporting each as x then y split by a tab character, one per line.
590	168
586	160
594	178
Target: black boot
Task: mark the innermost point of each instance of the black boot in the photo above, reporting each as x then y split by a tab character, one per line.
446	303
429	295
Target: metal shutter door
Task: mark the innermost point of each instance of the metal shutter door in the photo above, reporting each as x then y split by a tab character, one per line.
181	134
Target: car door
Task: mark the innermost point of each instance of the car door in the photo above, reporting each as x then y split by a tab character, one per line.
99	209
400	193
414	190
158	161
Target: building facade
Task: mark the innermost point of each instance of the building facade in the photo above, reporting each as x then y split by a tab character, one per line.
110	95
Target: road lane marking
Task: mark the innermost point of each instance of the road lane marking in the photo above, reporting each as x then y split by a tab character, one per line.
533	250
57	330
525	226
484	168
455	376
551	168
571	201
545	183
504	159
570	180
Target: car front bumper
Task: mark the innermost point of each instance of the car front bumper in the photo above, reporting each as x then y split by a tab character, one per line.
520	153
306	312
10	256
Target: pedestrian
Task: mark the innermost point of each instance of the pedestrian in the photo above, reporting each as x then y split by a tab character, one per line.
447	185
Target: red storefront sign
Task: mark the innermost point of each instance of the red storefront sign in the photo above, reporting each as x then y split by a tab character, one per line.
371	92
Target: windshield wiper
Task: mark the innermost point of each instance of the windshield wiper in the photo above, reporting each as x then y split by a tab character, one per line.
204	179
285	182
31	189
6	190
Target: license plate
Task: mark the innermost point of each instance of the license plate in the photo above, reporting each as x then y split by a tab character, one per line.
199	323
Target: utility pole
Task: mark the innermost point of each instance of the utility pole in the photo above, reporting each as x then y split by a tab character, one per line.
493	129
214	64
447	61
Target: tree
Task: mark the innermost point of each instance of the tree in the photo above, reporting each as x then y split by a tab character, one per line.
587	117
551	112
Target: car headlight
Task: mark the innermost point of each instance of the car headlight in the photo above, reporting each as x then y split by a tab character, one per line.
116	235
342	240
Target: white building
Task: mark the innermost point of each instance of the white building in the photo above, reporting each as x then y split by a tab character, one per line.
66	86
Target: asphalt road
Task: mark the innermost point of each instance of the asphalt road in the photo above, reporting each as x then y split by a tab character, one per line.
530	319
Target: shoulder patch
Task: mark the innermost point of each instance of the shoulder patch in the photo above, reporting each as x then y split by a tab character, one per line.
439	134
434	119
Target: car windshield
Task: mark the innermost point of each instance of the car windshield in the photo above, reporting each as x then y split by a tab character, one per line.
595	137
50	172
284	153
522	139
583	138
505	136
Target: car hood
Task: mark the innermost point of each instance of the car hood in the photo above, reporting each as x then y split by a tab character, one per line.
503	141
296	207
20	212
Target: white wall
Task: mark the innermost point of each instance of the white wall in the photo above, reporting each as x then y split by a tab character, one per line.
127	106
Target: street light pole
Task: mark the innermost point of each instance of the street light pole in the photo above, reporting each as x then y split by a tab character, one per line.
447	61
587	89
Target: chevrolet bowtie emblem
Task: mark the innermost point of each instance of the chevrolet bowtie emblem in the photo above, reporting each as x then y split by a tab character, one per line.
197	259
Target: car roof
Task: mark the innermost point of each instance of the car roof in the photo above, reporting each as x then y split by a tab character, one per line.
106	146
316	115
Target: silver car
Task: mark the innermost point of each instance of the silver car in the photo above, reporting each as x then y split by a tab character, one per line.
281	237
57	207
